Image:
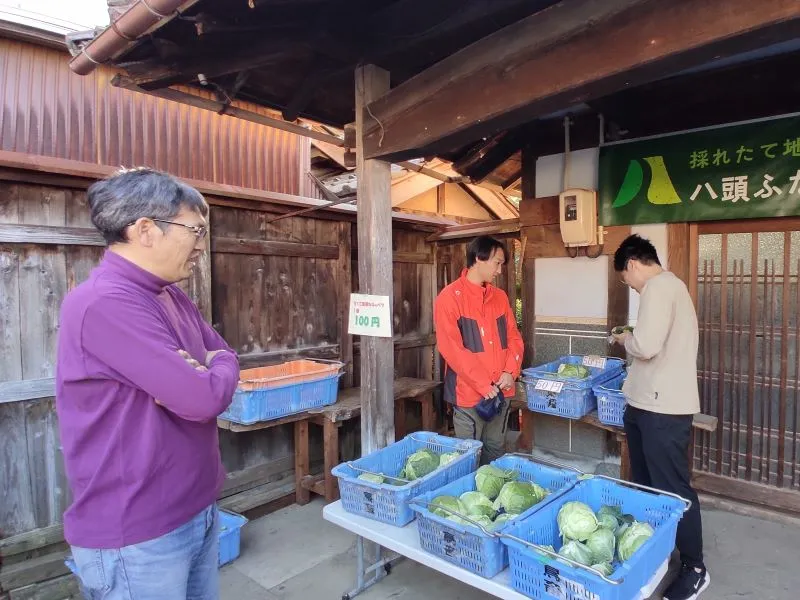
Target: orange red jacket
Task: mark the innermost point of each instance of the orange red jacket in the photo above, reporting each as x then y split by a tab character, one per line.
477	336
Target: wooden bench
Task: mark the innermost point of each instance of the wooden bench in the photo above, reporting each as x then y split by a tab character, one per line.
330	418
700	421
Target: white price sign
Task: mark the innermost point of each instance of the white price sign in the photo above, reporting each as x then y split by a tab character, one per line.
548	385
598	362
370	315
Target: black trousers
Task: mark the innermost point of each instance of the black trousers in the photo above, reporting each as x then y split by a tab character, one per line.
659	445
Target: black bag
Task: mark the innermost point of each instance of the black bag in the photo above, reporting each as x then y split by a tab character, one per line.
489	408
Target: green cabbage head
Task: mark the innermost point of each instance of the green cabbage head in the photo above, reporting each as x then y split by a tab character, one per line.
371	477
421	463
607	521
602	543
504	518
633	538
477	503
574	371
605	568
485	521
519	496
576	521
577	552
490	480
449	502
448	457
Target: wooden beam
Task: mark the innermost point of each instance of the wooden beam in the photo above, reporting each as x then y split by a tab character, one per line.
471	230
569	53
223	108
747	491
27	389
545	241
539	211
374	269
43	234
272	248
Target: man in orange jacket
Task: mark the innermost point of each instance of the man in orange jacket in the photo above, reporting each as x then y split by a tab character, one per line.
477	335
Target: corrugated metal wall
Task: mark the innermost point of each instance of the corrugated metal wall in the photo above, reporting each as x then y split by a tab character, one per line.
46	109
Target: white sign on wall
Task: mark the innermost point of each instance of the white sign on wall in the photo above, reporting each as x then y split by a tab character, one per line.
370	315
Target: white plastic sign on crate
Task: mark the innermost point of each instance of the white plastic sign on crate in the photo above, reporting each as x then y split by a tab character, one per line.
370	315
598	362
548	385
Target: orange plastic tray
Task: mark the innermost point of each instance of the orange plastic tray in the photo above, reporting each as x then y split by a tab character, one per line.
288	373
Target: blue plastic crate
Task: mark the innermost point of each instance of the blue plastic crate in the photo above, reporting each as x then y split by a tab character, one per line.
389	503
254	406
575	397
468	546
230	526
611	401
539	576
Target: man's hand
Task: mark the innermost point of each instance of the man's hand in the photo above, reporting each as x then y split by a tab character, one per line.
506	381
621	338
192	362
211	354
493	391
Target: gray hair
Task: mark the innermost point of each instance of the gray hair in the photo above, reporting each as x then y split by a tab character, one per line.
129	195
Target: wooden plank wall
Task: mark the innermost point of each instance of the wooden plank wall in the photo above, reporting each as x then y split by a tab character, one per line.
273	289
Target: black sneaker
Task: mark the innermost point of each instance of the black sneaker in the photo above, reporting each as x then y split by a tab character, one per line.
688	585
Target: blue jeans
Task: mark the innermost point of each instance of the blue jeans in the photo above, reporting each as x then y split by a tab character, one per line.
180	565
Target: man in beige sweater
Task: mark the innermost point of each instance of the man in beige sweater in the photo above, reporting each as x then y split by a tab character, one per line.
662	394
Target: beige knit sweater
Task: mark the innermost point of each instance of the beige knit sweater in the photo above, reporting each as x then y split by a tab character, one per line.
663	376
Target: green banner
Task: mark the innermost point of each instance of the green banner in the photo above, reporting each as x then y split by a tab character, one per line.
737	172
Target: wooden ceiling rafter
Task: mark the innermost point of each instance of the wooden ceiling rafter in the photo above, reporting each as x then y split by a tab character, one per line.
561	56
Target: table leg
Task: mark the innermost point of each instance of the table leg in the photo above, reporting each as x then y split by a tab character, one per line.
526	430
399	419
428	413
330	433
301	461
625	459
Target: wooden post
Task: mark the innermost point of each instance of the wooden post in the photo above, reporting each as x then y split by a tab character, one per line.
618	306
528	275
343	277
374	268
301	461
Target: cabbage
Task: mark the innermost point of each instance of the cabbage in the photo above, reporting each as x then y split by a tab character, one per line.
448	457
450	502
605	568
610	510
421	463
504	518
490	480
548	547
607	522
576	521
577	552
573	371
519	496
633	538
485	521
477	503
625	521
602	543
373	478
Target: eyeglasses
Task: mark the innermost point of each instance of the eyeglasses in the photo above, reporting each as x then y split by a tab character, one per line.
199	230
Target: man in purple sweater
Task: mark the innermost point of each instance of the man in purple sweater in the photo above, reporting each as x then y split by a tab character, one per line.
140	381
